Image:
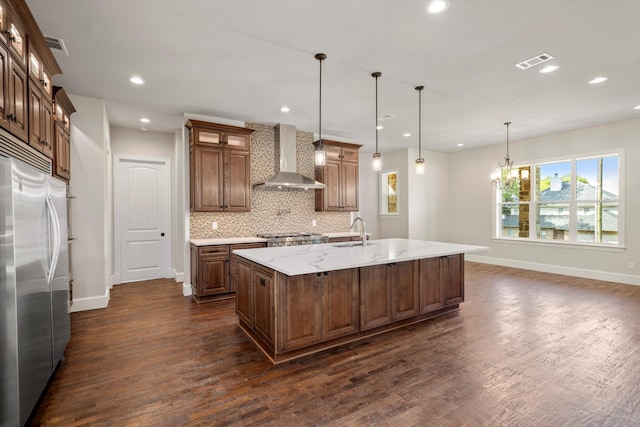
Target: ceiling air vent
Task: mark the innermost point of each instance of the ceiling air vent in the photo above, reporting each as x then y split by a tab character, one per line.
543	57
57	45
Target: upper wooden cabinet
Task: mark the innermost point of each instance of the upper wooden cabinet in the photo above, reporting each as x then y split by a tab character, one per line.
340	177
26	93
62	110
219	167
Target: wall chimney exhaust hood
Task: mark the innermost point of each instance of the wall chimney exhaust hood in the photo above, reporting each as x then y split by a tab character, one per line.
286	176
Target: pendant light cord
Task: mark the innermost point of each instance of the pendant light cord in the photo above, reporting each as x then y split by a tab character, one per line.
376	75
508	157
320	57
419	89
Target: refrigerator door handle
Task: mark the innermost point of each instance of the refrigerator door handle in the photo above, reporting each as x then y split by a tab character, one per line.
53	216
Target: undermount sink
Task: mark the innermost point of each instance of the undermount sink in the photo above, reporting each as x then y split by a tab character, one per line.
350	244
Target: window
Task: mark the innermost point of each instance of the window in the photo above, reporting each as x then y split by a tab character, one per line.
389	192
575	200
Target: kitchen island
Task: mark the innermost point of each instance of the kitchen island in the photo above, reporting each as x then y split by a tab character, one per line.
297	300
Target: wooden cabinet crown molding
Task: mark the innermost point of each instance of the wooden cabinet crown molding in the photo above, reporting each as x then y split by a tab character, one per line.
191	123
35	36
63	100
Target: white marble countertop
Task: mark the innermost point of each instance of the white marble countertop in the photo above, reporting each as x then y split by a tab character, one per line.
226	241
295	260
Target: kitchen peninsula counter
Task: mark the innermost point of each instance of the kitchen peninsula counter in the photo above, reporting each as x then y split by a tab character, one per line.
297	300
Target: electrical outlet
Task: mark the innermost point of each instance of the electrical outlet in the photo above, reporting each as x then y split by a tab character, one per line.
314	223
632	266
214	225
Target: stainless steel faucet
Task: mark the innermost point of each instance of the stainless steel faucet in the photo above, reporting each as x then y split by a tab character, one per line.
363	234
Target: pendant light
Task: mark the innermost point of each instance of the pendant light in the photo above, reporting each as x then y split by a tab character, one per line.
419	160
504	175
376	164
320	153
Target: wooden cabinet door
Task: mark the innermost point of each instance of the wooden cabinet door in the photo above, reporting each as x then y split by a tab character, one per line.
233	261
4	86
62	158
237	140
208	179
237	197
404	289
35	117
375	297
244	292
431	289
47	131
206	136
332	193
17	100
213	276
264	309
340	302
299	311
453	276
349	190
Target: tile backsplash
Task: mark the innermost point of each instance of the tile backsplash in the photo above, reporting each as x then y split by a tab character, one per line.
272	211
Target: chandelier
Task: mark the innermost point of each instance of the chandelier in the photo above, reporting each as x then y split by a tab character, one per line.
505	175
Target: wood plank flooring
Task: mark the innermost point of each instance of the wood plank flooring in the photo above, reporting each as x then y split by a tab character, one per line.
526	349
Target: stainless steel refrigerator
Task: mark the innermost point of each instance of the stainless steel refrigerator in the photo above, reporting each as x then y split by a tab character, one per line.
34	285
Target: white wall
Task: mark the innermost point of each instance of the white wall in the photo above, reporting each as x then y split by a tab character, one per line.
139	143
396	225
90	211
472	204
423	200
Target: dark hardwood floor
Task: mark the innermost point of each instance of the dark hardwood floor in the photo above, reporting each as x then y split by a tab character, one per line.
526	349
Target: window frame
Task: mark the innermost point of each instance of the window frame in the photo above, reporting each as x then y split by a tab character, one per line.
573	204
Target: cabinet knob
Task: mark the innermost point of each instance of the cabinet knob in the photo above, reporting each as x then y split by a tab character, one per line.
262	282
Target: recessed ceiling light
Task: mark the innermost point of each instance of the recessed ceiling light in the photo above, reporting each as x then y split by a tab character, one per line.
637	107
145	120
436	6
285	109
379	127
406	134
598	80
460	145
549	69
136	80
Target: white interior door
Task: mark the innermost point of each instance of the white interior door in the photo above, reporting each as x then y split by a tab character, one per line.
143	221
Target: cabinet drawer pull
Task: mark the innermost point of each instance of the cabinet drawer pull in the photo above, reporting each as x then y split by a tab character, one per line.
262	282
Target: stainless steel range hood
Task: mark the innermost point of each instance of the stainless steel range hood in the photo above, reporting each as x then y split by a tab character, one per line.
286	176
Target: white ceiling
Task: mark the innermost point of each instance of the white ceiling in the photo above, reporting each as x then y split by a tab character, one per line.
244	59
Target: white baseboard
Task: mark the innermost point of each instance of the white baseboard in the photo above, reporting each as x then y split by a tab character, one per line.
178	276
606	276
90	303
115	280
186	290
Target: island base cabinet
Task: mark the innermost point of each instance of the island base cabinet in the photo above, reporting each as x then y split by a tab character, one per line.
441	282
263	294
244	293
288	317
389	293
375	295
453	275
314	308
340	303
